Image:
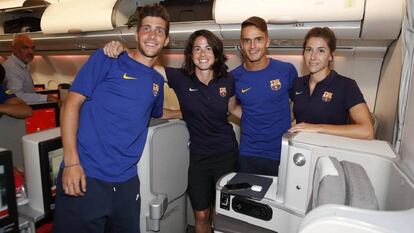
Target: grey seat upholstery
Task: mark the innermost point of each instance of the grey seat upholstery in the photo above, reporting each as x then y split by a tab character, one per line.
345	183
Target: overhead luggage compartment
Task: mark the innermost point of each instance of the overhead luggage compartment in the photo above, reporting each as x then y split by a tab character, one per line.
17	5
7	4
288	11
292	19
382	19
76	16
86	25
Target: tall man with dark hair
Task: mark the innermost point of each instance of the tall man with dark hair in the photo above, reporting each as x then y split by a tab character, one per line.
104	129
262	87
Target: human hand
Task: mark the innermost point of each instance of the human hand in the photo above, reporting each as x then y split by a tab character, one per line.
51	98
305	127
113	49
74	180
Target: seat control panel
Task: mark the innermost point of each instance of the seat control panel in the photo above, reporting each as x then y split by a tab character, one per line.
251	208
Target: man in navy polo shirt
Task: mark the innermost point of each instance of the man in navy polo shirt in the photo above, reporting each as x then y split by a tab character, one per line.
10	104
104	129
262	87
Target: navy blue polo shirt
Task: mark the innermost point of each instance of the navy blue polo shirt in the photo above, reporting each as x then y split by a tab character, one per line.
5	95
330	101
205	110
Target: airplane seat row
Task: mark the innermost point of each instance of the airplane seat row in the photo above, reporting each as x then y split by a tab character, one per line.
324	182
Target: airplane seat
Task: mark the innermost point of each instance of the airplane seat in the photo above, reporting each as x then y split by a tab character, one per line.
342	183
316	171
344	219
371	194
162	170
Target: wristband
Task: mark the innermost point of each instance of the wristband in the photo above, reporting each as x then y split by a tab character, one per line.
72	165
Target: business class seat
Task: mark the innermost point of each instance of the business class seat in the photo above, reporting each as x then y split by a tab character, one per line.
342	183
323	179
163	175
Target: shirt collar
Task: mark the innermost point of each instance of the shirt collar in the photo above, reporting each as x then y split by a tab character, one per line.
18	61
326	81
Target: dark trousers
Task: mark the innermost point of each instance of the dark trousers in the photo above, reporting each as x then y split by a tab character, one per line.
105	208
204	172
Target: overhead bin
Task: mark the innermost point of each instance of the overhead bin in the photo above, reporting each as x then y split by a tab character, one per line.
382	19
291	19
6	4
67	43
288	11
11	5
76	16
85	25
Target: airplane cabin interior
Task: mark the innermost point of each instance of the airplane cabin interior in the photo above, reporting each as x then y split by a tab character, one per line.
326	183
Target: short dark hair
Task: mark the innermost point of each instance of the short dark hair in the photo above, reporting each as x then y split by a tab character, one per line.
2	74
322	32
152	10
219	66
258	22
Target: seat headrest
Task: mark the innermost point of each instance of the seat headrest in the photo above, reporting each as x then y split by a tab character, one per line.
328	182
342	183
359	190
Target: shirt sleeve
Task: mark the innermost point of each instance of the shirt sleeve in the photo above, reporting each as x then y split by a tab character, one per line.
15	84
292	91
157	110
354	95
232	85
92	73
5	95
293	75
172	75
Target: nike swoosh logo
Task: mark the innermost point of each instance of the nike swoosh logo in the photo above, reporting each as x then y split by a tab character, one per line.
298	93
128	77
245	90
192	89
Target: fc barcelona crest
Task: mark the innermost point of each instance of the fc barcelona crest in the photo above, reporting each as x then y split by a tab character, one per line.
155	89
275	84
8	92
223	91
327	96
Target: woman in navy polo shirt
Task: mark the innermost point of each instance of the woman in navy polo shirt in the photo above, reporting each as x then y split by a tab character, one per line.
325	101
205	91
